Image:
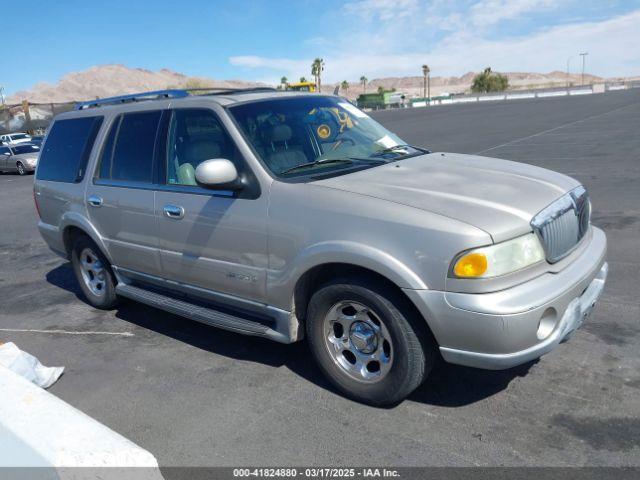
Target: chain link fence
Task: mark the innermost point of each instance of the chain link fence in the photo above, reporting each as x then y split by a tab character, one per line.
30	117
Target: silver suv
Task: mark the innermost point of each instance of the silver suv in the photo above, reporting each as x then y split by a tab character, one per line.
285	215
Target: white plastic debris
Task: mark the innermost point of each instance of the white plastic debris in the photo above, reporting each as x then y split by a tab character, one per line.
28	366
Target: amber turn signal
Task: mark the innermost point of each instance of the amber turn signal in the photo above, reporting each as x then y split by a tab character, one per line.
471	265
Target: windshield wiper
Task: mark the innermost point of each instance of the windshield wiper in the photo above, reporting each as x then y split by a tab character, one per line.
316	162
395	149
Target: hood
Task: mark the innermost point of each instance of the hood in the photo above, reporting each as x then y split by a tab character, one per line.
497	196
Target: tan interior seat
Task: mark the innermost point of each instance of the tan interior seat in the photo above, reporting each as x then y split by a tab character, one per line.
283	155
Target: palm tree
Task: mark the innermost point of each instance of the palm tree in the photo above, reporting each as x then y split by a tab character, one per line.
363	81
303	80
316	70
427	82
344	86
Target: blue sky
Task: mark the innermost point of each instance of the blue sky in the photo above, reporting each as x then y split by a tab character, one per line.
263	40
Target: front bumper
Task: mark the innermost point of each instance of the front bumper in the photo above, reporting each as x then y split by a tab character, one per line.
29	166
507	328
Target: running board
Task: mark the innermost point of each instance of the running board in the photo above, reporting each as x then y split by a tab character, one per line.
200	314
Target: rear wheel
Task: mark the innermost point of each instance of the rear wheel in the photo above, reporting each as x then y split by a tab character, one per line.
94	274
21	169
368	341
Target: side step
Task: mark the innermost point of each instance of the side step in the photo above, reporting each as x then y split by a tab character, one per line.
205	315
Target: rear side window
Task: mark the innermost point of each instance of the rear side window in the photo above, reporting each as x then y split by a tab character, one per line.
129	150
67	149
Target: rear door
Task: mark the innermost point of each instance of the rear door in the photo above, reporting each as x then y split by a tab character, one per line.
121	198
210	239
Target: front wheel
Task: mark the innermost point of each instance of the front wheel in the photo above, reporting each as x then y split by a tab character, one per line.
21	169
368	341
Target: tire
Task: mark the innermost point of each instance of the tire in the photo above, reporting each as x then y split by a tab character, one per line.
386	363
94	274
21	169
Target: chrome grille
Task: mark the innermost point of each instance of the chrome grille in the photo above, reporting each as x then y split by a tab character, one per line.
563	224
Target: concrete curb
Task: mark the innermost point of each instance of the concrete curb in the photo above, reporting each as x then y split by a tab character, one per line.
38	429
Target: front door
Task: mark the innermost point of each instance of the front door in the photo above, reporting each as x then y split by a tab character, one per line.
214	240
5	155
121	199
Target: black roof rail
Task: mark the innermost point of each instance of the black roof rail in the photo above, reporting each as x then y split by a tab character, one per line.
134	97
160	94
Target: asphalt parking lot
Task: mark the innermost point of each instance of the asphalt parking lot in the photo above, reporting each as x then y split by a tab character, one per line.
195	395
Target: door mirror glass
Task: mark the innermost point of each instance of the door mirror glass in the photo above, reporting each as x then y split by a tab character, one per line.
218	174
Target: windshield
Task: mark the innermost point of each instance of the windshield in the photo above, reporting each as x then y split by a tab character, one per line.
20	149
314	134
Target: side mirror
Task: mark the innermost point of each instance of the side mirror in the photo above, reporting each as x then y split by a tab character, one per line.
218	174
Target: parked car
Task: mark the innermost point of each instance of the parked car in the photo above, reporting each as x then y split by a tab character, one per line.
15	138
285	215
37	139
21	158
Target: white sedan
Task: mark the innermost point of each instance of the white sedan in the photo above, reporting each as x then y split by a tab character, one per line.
15	138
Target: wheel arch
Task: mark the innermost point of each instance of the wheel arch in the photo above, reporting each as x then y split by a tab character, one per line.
318	275
74	225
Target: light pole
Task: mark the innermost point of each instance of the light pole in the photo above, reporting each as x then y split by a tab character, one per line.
1	95
425	73
568	60
583	55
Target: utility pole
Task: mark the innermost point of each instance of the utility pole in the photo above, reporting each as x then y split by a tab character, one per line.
583	55
425	73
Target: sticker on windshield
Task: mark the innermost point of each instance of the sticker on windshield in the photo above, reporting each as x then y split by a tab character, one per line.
353	110
387	142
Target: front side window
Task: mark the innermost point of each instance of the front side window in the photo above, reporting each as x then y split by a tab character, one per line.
19	136
20	149
195	135
129	149
314	134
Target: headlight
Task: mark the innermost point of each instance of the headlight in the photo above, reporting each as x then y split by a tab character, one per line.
499	259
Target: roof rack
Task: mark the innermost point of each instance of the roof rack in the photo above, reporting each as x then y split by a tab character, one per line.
134	97
160	94
226	91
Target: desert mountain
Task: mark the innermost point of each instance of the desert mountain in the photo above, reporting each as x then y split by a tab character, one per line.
108	80
439	85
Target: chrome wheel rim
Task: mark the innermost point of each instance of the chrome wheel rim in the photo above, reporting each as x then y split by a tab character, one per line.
358	341
93	272
21	169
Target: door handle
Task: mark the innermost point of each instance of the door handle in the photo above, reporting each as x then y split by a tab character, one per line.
94	201
173	211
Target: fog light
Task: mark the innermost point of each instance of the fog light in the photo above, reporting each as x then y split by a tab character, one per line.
547	323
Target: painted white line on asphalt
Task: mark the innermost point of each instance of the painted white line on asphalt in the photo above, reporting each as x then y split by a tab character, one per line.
65	332
556	128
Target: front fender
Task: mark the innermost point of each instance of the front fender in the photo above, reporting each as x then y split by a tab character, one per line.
281	284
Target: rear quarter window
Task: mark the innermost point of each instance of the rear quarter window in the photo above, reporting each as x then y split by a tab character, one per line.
65	154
